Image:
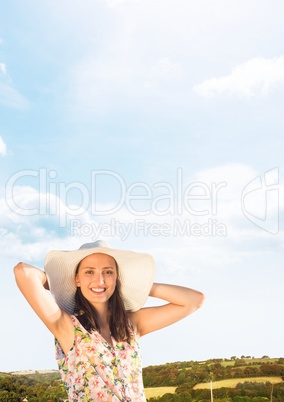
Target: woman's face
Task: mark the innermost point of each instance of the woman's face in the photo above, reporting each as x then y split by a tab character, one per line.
96	276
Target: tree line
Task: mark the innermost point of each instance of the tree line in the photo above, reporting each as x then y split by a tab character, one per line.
34	387
192	373
244	392
47	387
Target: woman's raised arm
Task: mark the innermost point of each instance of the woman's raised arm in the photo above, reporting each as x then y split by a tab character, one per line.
182	301
33	284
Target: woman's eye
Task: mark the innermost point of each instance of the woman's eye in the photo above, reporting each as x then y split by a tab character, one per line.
89	272
109	272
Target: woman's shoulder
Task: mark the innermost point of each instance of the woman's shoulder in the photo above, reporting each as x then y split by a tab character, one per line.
77	323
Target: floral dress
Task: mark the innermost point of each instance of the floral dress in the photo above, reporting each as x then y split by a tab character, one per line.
94	371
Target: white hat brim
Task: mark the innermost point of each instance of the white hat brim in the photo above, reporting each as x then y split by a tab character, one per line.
136	274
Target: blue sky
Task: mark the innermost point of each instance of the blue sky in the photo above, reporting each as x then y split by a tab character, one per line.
157	126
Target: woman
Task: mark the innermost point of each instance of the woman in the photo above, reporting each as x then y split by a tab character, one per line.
96	316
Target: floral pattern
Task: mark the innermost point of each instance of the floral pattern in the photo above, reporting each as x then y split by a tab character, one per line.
94	371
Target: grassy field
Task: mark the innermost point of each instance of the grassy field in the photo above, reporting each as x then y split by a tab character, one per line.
232	382
259	360
159	391
254	361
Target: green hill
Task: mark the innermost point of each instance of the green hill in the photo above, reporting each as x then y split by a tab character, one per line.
242	379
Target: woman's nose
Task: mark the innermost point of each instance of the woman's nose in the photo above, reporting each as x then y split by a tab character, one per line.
100	279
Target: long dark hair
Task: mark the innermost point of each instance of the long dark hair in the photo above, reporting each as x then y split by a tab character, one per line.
118	320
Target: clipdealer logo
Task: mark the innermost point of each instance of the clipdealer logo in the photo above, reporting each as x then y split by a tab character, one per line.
260	201
177	200
141	227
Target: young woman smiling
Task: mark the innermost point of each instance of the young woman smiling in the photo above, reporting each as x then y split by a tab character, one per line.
96	315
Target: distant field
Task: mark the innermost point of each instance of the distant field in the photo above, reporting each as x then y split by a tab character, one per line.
159	391
232	382
32	372
3	375
254	361
261	360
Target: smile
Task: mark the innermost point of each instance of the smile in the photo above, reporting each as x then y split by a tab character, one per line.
98	290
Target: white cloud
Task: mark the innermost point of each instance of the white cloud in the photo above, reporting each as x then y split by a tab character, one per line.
31	223
115	3
257	76
163	68
3	147
10	97
128	63
95	86
29	217
3	68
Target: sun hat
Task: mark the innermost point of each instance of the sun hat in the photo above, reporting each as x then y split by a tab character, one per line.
136	274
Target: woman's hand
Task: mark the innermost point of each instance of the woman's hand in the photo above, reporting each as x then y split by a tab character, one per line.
23	270
186	298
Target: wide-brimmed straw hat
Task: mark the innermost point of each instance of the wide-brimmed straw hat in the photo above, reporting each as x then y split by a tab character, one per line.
136	274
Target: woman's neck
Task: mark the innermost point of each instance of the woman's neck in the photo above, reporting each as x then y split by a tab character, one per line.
102	315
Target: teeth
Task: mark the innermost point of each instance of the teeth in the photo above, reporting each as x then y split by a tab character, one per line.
97	290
